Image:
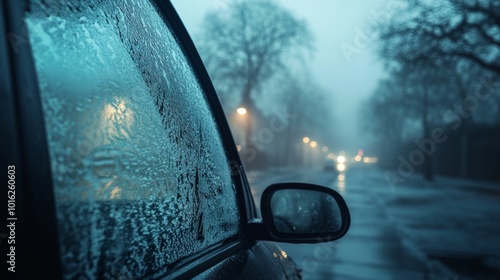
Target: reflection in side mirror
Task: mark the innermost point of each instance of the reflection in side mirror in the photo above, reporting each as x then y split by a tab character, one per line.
305	211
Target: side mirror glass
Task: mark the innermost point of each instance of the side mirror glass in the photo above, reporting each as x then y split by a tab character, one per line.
304	213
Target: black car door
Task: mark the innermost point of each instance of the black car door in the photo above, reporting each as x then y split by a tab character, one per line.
138	173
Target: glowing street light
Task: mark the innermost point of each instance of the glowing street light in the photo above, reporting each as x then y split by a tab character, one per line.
314	144
306	140
241	111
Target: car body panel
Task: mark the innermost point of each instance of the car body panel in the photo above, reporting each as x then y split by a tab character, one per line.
263	260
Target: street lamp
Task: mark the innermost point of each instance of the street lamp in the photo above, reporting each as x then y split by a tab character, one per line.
306	140
314	144
242	120
241	111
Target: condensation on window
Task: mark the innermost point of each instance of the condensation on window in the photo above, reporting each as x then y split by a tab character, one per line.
141	179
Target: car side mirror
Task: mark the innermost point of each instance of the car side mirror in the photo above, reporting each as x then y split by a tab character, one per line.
303	213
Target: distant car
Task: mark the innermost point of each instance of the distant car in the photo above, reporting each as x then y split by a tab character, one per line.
330	165
334	165
123	162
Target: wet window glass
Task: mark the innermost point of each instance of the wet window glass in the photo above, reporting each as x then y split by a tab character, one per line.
140	175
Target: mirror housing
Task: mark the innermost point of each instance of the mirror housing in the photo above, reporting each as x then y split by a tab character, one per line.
301	213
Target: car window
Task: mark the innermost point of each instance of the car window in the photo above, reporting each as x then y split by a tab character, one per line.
140	175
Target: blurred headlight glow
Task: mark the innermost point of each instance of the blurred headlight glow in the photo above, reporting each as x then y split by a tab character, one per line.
341	167
341	159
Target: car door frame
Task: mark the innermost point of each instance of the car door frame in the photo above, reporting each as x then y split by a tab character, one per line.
38	233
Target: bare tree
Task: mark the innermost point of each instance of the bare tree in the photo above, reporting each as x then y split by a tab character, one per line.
466	29
414	98
437	48
311	114
247	44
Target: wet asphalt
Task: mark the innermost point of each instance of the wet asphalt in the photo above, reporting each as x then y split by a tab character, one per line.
411	230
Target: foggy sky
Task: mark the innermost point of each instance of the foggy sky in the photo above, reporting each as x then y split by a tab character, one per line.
344	62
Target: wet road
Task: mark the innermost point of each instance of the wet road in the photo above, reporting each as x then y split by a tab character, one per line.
447	229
